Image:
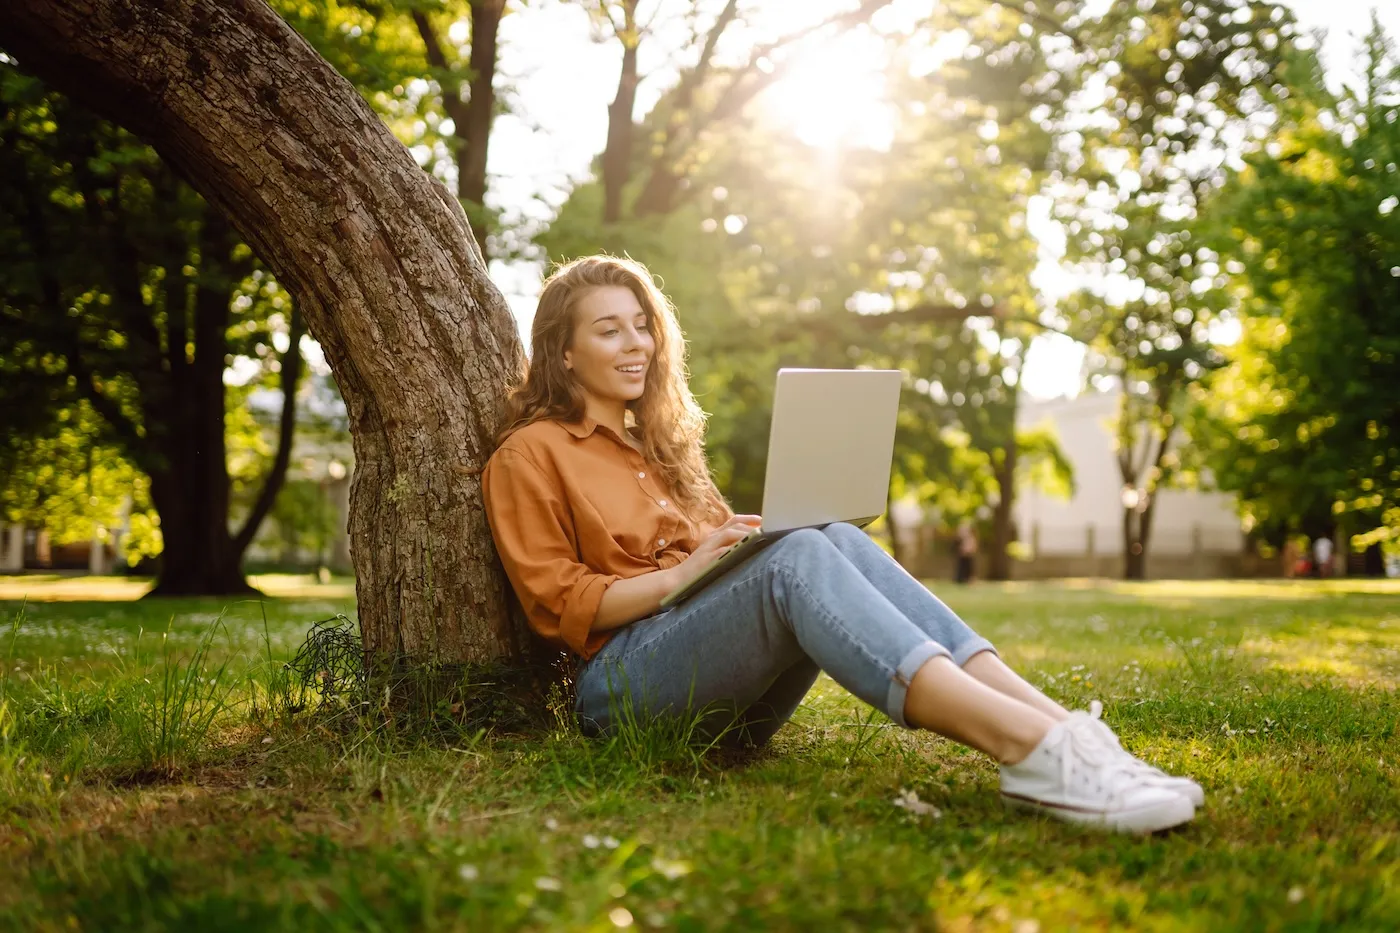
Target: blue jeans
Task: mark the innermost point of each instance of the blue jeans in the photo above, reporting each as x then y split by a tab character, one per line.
746	649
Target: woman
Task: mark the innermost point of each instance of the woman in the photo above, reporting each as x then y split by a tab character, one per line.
601	503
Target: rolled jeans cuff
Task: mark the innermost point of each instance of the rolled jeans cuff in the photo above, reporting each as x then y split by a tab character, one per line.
904	675
971	647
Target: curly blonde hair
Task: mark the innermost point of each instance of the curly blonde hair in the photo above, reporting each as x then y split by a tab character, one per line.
671	423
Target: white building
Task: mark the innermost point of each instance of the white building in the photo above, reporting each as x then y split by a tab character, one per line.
1194	533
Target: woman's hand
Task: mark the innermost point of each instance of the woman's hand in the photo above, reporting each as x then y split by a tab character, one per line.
713	547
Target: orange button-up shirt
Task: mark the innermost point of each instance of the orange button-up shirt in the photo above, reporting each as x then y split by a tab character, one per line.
573	508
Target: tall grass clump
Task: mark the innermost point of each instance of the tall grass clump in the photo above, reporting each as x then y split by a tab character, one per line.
175	704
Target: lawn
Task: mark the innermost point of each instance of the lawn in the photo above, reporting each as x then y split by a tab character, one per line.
146	785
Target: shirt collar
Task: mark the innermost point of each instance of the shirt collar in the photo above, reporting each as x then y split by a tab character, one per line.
587	427
580	429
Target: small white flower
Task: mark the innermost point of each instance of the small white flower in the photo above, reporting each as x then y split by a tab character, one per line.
549	884
620	917
609	842
590	841
468	873
670	869
908	800
551	824
1295	894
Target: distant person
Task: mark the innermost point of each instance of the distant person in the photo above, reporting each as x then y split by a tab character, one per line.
1322	556
601	503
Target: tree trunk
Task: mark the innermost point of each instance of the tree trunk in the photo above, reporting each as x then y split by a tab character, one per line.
999	567
896	549
286	436
617	154
1134	546
198	558
1135	562
378	256
185	424
471	118
481	109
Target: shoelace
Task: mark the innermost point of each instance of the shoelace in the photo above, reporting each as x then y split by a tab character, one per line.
1084	748
1110	740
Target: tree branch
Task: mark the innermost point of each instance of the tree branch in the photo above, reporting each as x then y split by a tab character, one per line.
658	193
437	59
1030	13
292	364
617	155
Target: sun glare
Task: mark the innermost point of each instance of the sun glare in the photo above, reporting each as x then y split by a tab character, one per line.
833	95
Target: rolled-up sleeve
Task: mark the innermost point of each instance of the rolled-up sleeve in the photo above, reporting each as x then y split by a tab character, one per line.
670	558
537	543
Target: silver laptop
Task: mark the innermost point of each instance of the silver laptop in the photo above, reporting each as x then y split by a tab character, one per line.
830	446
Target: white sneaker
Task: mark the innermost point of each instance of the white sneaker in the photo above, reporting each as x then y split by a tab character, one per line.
1072	775
1147	772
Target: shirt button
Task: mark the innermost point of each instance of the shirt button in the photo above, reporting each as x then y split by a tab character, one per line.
663	503
641	476
661	542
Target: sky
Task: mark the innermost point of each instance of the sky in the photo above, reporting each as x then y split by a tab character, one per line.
561	84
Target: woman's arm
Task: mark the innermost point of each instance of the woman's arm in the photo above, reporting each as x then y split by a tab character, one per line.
627	600
634	598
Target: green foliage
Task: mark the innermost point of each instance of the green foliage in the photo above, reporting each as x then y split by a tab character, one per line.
1167	92
1044	463
305	518
1305	418
68	482
105	317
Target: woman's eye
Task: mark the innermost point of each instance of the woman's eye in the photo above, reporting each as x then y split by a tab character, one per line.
610	333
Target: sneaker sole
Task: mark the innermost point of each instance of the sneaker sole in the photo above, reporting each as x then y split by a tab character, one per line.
1153	818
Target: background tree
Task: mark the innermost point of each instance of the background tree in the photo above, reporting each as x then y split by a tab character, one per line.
1169	89
118	294
1305	418
451	48
376	255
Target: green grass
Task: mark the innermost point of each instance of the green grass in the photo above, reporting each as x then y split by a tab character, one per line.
146	784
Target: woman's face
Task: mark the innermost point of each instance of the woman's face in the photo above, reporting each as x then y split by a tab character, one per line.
612	345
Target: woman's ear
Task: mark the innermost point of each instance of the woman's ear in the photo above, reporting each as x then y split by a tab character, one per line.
568	360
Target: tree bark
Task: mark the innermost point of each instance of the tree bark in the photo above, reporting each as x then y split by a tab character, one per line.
185	422
378	256
286	436
198	558
471	119
1134	548
617	154
999	566
184	413
1137	520
896	549
481	110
